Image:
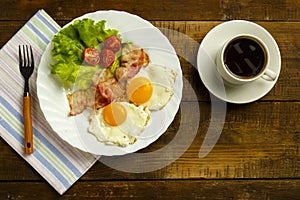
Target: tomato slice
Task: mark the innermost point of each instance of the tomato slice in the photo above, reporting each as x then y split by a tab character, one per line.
91	56
113	43
107	58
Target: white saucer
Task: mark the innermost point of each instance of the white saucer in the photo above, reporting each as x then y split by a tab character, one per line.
213	41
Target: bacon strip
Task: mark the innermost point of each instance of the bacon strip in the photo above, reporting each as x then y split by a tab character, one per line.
100	94
132	60
80	100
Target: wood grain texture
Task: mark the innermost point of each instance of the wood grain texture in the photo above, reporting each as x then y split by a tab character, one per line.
177	189
276	10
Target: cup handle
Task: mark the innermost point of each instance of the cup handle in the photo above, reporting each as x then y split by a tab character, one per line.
269	75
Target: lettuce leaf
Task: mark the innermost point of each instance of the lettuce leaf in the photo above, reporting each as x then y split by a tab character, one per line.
66	71
105	33
87	31
68	47
85	75
92	34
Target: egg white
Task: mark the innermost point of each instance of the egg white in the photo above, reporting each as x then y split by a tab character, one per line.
123	134
162	79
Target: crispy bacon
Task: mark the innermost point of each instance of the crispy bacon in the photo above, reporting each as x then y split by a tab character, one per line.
80	100
132	60
100	100
104	89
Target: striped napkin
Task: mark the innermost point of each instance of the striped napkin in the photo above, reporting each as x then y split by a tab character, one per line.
55	160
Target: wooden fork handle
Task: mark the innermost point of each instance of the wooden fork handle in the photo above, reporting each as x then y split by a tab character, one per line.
28	141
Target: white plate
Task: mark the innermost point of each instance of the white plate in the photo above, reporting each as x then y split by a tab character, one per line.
213	41
73	130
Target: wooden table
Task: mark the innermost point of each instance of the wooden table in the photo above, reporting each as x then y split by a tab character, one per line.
257	155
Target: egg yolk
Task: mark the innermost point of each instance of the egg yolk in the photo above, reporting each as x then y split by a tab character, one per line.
114	114
139	90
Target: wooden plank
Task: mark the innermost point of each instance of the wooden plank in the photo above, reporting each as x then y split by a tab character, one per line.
179	33
177	189
261	143
286	89
158	9
285	33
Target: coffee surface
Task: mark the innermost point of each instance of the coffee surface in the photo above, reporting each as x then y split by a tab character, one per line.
244	57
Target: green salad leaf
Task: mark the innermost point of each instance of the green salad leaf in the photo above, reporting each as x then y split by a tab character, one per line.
117	62
68	47
84	76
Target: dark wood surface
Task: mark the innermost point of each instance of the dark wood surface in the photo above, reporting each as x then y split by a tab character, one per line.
257	155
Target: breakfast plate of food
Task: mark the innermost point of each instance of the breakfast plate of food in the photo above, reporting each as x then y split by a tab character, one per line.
109	83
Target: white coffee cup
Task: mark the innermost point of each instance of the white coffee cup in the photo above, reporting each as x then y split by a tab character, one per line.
244	58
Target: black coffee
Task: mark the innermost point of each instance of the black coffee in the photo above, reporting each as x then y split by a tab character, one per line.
244	57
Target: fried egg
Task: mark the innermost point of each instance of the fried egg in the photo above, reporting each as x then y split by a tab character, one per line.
119	123
152	87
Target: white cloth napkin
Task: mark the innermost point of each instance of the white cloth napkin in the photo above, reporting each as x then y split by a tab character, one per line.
59	163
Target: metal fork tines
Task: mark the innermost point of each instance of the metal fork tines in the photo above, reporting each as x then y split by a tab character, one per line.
26	64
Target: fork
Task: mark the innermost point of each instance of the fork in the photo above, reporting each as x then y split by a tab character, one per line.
26	65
